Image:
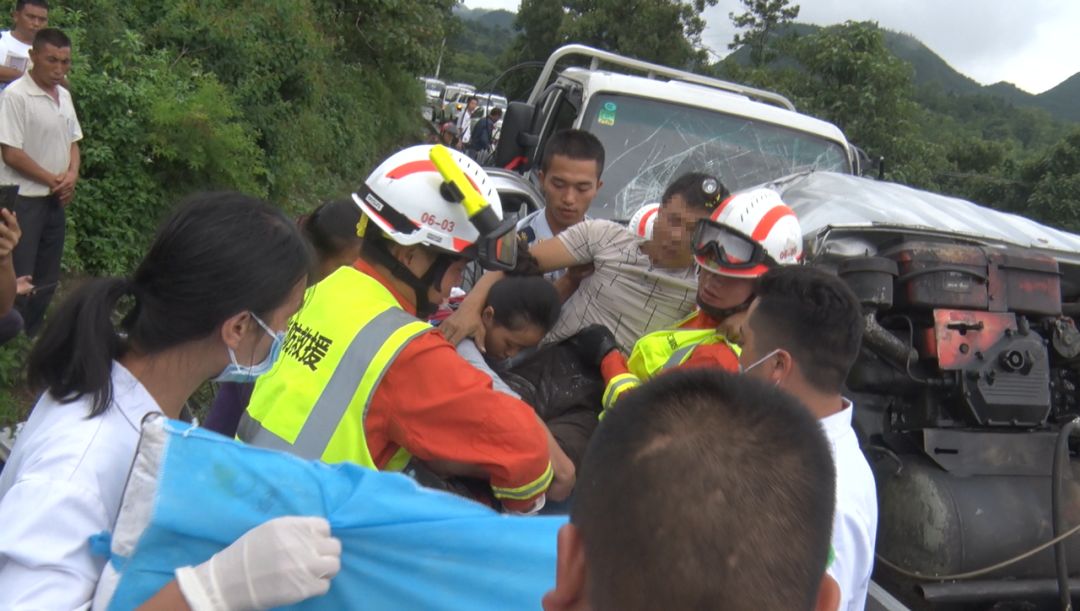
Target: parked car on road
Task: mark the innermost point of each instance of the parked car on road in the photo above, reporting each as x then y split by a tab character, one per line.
433	93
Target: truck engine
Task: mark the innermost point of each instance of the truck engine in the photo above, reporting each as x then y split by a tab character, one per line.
968	373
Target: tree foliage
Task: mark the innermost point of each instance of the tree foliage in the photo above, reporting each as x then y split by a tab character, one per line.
663	31
760	20
849	78
285	99
1052	184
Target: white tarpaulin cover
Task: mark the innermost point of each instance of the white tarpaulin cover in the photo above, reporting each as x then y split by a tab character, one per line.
828	199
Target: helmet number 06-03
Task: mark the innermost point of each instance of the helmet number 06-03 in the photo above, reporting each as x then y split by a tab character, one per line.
432	221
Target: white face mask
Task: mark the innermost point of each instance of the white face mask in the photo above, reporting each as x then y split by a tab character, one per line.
744	370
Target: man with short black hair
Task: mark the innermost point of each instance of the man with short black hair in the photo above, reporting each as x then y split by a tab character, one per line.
803	334
481	144
39	144
27	19
569	176
732	508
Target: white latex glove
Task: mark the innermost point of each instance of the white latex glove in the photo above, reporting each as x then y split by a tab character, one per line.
280	562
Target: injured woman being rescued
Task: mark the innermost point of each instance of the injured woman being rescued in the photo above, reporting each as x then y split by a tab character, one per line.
519	312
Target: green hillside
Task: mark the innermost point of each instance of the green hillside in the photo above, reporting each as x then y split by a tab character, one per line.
479	37
929	70
928	66
1061	101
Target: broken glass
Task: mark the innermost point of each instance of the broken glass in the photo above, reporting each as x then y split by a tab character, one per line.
652	142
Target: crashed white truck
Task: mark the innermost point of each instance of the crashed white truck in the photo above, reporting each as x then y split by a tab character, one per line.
968	375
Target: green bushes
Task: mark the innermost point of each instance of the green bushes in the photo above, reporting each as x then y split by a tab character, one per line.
293	100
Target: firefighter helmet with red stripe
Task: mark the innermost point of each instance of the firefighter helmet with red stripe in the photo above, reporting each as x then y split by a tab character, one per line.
748	233
641	223
405	197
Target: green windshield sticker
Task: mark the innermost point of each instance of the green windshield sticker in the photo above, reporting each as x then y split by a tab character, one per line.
607	114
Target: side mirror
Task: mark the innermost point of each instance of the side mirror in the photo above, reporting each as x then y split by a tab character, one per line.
515	140
865	165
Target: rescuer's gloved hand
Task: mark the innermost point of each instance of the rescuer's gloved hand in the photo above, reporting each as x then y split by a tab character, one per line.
280	562
593	343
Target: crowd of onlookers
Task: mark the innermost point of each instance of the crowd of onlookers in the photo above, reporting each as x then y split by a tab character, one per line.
476	135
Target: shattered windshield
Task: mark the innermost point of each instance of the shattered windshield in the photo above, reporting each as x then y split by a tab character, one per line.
650	143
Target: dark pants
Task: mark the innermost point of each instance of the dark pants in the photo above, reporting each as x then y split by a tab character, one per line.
38	254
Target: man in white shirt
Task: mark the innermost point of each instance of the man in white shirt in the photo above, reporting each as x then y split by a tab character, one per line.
802	334
464	121
39	144
28	17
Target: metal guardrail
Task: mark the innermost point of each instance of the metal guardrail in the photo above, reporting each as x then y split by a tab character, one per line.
652	71
879	600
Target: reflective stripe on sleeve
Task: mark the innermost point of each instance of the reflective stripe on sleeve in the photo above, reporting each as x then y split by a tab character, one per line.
528	491
618	385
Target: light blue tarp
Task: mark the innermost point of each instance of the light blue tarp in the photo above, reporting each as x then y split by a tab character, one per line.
404	547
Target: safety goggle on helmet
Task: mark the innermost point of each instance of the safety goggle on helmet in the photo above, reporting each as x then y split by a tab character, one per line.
440	198
747	234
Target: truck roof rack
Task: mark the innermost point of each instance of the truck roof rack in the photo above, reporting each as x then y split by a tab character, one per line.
652	70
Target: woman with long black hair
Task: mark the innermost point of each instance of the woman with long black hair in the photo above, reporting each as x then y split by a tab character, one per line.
208	302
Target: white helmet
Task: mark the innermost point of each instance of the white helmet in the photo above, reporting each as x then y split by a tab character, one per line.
406	197
641	224
748	233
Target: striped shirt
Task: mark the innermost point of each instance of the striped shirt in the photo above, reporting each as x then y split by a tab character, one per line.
625	293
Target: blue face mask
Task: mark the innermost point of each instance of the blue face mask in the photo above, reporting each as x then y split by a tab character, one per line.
234	372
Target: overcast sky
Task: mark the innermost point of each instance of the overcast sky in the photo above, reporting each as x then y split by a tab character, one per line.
1034	44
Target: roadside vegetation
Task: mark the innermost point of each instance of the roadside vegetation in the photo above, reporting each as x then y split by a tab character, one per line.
290	100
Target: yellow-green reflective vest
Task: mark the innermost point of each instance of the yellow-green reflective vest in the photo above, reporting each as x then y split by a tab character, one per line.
661	350
656	352
313	402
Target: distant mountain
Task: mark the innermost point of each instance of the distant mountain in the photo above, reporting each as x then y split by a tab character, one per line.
930	69
928	66
1063	100
1010	93
498	19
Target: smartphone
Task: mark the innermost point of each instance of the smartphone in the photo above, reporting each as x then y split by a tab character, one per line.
38	289
8	193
